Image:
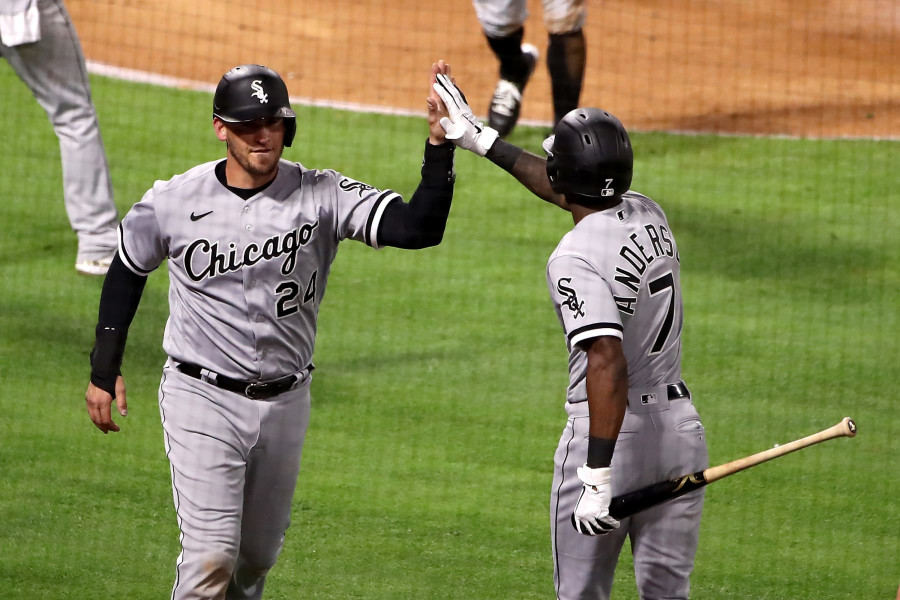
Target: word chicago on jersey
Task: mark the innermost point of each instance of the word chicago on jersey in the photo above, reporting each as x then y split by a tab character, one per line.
218	263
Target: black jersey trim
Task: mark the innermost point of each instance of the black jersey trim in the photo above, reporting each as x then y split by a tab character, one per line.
581	332
132	266
371	231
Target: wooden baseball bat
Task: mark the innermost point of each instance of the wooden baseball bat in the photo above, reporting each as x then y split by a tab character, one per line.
656	493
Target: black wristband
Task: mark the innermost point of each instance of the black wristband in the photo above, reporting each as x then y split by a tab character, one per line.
106	358
437	165
503	154
600	452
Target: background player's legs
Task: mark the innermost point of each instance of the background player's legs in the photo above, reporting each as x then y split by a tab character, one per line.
54	71
271	478
515	65
501	19
502	23
583	566
565	62
566	53
664	538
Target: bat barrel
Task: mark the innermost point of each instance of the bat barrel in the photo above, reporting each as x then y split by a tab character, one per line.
846	428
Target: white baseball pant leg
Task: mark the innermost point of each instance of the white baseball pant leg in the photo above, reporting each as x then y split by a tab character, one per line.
234	464
500	18
54	70
564	16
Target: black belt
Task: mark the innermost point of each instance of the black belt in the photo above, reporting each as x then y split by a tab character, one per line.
255	390
674	391
678	390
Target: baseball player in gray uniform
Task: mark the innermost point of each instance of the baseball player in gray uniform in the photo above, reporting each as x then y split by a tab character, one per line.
39	42
249	242
614	280
503	24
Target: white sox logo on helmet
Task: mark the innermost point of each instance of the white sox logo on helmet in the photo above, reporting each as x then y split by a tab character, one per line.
259	92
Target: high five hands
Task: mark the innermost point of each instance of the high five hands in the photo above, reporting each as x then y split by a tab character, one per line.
460	125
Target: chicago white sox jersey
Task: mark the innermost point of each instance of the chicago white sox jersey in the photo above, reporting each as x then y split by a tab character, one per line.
616	273
246	276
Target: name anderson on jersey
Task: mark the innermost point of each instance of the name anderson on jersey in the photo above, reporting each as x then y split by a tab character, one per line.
214	262
638	259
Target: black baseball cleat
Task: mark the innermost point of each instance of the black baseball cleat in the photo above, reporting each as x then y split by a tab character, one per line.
504	110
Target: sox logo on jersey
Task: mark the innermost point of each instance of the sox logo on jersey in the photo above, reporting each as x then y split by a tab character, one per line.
348	185
572	302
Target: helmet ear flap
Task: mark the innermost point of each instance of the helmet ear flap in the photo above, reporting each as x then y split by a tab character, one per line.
290	129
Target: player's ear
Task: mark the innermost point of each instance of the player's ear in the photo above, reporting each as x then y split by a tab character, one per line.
219	126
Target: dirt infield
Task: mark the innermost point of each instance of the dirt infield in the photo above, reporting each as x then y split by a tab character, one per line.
796	67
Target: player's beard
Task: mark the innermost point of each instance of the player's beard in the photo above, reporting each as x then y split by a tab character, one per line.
256	164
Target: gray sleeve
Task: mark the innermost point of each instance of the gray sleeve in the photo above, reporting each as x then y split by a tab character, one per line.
141	244
583	298
358	208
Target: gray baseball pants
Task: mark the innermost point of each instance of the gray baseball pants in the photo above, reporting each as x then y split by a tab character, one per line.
656	442
234	464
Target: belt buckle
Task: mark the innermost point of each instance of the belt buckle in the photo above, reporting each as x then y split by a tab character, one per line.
679	390
253	389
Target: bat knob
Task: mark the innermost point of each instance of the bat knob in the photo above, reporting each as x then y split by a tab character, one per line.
847	427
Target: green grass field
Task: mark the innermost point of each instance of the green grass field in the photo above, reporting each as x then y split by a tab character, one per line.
438	398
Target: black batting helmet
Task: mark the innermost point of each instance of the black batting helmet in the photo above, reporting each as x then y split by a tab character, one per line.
590	155
251	92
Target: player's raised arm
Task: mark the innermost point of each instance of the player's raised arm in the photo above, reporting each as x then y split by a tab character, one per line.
421	222
467	132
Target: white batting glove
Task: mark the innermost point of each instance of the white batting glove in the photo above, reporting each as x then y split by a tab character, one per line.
591	515
462	128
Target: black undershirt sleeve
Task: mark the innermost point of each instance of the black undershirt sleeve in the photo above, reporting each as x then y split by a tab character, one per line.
420	223
122	290
529	169
503	154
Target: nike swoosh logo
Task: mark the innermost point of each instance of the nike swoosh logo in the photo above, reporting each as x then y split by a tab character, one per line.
198	217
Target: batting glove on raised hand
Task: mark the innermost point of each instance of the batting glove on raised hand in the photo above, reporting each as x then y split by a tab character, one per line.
591	516
462	128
